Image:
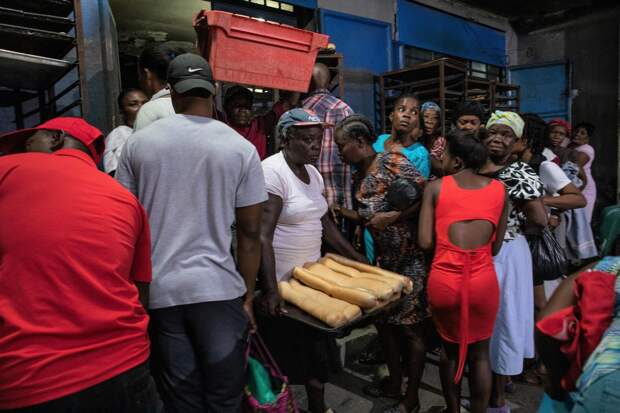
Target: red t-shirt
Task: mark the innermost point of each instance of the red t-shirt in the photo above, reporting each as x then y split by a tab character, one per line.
260	128
72	243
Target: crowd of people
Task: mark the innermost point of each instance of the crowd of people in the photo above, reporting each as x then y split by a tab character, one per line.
104	309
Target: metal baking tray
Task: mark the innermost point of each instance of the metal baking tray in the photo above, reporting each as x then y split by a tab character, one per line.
60	8
25	71
35	20
297	314
34	41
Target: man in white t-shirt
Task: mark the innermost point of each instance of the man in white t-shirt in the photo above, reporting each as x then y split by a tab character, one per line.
195	176
152	72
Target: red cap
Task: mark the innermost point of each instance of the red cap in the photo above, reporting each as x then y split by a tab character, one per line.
77	128
563	123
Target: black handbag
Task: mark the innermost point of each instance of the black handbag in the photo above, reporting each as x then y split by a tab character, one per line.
402	193
548	258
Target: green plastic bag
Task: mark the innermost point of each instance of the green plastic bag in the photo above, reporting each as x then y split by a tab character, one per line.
259	382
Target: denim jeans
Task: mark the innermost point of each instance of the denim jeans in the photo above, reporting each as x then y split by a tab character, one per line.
198	356
131	392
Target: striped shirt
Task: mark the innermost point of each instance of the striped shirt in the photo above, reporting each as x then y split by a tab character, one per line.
336	174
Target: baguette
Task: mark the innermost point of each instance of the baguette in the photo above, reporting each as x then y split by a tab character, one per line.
396	284
350	311
336	266
378	288
408	284
312	307
351	295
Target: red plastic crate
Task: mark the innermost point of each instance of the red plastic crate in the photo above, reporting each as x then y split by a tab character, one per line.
244	50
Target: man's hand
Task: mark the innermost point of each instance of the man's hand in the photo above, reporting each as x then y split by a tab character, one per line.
382	220
248	307
271	303
199	20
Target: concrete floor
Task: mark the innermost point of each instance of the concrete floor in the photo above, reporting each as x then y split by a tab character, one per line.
344	393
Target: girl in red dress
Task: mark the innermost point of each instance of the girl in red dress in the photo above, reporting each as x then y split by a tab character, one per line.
464	216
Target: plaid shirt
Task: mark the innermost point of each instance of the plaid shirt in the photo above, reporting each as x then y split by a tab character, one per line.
336	174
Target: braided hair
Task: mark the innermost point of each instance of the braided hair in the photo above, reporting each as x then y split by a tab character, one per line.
535	134
358	127
468	147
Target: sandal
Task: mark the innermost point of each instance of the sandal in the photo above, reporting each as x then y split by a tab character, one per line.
379	389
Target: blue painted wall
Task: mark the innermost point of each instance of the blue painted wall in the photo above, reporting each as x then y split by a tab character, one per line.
365	43
367	48
432	29
544	89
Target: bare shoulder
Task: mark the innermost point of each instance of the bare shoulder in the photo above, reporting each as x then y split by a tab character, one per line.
434	186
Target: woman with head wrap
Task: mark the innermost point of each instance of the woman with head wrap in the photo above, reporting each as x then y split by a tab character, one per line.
559	152
559	135
513	335
573	159
432	139
560	193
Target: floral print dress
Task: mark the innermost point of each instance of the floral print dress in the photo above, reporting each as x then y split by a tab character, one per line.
396	247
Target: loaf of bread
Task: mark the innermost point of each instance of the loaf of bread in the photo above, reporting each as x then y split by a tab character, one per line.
407	283
395	284
315	308
378	288
350	311
356	296
336	266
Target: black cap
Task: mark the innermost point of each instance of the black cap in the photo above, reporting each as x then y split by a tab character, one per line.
190	71
234	90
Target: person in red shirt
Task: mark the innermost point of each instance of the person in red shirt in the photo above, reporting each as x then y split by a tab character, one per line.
238	102
75	267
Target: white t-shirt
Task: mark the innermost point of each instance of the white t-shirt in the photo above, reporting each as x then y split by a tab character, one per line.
159	107
114	144
298	233
552	177
549	154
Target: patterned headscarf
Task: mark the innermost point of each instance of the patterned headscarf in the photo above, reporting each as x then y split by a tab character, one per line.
430	105
562	123
510	119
